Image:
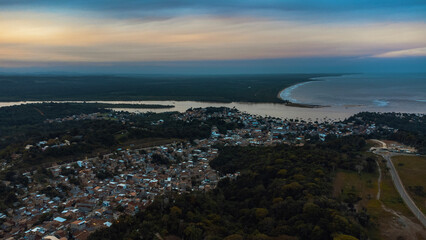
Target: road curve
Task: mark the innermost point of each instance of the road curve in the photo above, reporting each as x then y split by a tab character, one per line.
400	187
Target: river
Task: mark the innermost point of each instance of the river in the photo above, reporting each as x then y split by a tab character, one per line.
262	109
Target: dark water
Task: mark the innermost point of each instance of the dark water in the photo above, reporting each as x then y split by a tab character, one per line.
393	92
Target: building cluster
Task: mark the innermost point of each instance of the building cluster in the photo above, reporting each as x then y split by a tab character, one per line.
74	199
51	143
116	116
257	130
78	198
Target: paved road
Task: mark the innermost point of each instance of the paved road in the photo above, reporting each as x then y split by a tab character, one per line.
400	187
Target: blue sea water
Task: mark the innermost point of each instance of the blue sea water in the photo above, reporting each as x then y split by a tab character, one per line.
393	91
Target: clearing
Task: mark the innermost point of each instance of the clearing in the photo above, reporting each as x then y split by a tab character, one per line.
390	217
412	171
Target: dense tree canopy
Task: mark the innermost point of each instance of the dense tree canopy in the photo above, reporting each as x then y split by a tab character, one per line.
25	125
282	191
407	128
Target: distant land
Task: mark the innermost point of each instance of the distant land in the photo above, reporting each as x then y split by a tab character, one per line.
128	105
210	88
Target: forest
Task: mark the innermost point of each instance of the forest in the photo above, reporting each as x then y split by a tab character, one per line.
283	192
215	88
38	112
25	125
411	128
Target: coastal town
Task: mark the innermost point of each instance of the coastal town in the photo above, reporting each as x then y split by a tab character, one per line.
73	199
212	120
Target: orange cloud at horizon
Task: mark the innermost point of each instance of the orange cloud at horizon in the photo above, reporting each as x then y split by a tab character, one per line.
46	37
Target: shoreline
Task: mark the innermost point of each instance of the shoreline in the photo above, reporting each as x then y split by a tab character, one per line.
100	104
290	103
280	110
304	105
293	103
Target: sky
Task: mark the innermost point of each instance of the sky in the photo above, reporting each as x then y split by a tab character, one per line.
212	37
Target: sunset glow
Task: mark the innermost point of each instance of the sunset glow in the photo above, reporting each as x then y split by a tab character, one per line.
33	37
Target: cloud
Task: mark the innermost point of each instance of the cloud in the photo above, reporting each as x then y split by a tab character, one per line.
166	4
109	31
167	8
49	37
415	52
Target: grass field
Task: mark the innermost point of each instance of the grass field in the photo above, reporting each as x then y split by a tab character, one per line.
412	171
365	186
389	195
384	224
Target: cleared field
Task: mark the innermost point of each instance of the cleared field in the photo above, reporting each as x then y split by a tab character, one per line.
372	143
390	196
412	171
363	185
390	217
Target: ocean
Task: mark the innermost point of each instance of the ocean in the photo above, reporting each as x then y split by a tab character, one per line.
383	92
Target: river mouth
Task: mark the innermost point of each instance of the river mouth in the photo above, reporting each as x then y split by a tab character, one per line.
332	113
321	99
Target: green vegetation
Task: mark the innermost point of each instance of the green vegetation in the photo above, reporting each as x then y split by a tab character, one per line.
25	125
412	171
218	88
27	114
7	197
363	185
350	185
282	191
411	127
29	142
389	195
127	105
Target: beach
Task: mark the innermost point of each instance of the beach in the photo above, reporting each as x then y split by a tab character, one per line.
396	92
285	95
